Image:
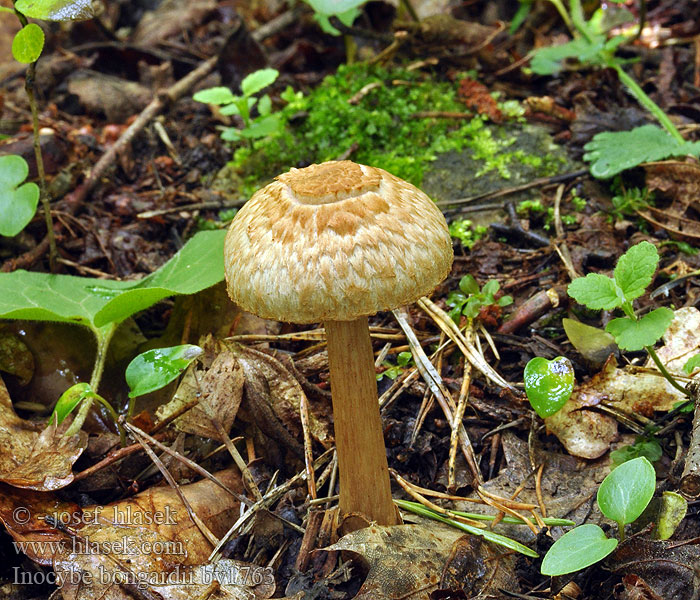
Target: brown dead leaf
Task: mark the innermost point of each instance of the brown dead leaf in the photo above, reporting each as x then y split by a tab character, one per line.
148	539
285	392
220	386
34	459
412	561
115	98
670	569
681	340
477	96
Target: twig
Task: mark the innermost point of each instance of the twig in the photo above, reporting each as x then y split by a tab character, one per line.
542	181
459	415
690	479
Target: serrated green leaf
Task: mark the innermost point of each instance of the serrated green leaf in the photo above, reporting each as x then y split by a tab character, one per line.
595	291
691	364
625	492
215	95
59	10
262	127
642	144
17	204
635	335
258	80
579	548
154	369
548	60
548	384
635	269
28	43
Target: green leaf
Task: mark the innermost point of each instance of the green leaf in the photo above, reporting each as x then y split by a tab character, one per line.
154	369
96	303
468	285
403	359
625	492
472	307
491	287
334	7
548	60
673	510
520	15
579	548
635	269
648	448
642	144
258	80
17	204
215	95
28	43
595	291
505	301
265	106
456	299
198	265
68	401
262	127
59	10
691	364
594	344
548	384
635	335
238	106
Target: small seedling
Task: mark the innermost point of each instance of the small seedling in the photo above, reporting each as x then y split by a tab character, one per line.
154	369
590	46
645	445
469	300
265	124
622	497
632	275
466	232
403	360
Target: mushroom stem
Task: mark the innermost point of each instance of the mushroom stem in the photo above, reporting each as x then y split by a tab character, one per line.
365	487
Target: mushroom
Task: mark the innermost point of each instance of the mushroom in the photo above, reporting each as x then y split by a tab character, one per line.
334	243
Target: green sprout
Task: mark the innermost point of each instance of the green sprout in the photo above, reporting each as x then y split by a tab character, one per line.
403	360
466	232
469	299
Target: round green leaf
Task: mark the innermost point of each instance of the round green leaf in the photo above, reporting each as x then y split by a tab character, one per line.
626	491
28	43
155	369
469	285
548	384
579	548
17	204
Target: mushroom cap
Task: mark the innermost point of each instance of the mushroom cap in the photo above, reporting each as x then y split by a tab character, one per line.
334	242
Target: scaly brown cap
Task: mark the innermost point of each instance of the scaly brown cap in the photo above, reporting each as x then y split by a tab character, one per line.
334	242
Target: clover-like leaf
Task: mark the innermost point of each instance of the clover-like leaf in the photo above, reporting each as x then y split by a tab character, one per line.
631	334
625	492
28	43
642	144
635	269
154	369
596	291
579	548
548	384
17	202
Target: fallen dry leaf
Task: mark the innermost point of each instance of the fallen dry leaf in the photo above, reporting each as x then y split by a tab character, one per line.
412	561
35	459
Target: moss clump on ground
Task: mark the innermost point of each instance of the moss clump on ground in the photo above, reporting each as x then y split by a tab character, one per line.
381	127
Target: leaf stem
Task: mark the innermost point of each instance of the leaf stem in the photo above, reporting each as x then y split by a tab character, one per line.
664	371
646	101
621	530
29	90
103	339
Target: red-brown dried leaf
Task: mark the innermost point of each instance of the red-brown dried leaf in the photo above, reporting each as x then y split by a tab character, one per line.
477	97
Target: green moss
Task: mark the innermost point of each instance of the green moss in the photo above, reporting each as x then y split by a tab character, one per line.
381	127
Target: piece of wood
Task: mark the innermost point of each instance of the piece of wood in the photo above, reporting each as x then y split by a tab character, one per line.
365	487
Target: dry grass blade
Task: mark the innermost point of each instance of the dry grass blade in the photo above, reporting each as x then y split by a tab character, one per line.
442	395
206	532
446	324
